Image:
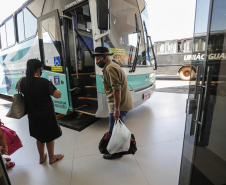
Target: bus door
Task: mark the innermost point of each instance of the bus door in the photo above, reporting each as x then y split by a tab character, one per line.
204	148
78	37
50	43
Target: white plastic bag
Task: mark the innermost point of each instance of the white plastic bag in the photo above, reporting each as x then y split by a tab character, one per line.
120	138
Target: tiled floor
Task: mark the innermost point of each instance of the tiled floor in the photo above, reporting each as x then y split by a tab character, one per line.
158	126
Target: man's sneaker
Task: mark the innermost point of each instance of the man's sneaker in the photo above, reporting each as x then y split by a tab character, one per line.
112	156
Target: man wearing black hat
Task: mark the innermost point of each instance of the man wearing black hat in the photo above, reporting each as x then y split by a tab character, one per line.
116	89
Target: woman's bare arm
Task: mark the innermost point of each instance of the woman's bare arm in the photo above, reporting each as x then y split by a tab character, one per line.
57	94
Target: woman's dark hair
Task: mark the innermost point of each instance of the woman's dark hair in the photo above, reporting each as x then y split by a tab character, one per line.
32	66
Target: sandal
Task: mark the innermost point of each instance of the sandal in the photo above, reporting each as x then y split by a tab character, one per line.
45	156
7	159
59	157
9	165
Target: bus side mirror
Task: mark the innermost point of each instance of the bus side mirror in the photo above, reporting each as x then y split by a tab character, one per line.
102	14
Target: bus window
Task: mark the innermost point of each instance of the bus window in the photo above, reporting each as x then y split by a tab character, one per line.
30	24
3	37
83	18
166	47
170	47
20	26
10	32
179	46
51	42
161	48
7	34
187	46
126	36
199	44
26	25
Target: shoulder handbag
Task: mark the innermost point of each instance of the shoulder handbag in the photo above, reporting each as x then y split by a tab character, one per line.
12	139
17	109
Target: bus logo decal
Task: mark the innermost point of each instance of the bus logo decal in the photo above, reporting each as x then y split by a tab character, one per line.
201	56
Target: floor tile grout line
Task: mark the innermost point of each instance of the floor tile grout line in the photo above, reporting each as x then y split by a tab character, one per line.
141	169
86	155
175	139
172	116
73	160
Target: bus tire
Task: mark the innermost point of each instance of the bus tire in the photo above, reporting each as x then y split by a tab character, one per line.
186	73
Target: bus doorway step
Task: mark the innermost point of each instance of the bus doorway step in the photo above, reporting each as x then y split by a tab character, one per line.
77	121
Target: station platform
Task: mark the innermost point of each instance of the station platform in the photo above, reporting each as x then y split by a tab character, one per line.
158	126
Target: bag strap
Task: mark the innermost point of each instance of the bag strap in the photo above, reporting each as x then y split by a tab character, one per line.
119	121
19	82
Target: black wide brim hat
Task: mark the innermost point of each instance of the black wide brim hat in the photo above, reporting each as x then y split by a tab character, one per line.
99	51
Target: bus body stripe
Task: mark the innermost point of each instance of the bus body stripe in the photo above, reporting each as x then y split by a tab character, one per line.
134	81
20	54
4	56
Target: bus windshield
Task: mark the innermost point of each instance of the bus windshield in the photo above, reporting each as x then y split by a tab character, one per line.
126	34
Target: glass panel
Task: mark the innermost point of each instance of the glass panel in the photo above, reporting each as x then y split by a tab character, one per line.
195	93
210	151
30	24
202	12
20	26
3	37
83	18
10	32
126	32
145	18
151	54
51	42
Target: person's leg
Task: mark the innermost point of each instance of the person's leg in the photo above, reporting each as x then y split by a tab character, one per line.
41	150
52	158
123	115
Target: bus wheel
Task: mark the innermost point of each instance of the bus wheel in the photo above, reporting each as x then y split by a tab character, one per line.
185	73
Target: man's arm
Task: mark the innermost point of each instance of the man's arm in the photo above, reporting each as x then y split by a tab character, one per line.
117	101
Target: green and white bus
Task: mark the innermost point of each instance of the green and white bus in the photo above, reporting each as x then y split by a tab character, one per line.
63	34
